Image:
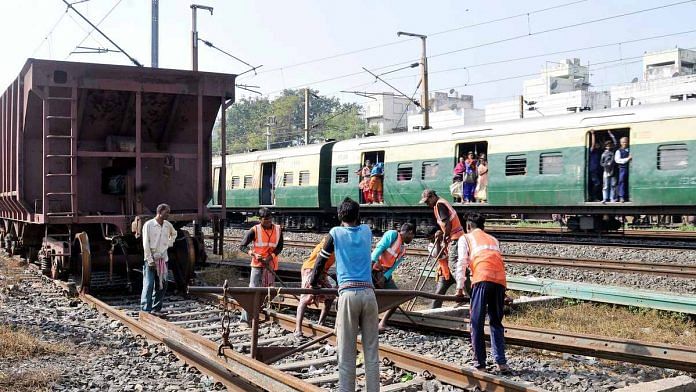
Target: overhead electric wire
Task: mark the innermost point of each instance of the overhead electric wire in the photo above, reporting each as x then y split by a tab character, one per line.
45	38
98	23
503	40
431	34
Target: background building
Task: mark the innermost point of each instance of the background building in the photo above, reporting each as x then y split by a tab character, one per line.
388	112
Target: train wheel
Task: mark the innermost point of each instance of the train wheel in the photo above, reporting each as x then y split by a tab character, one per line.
82	254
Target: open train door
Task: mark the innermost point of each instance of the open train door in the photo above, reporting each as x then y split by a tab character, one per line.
268	178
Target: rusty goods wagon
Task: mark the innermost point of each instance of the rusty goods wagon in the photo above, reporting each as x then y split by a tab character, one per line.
87	153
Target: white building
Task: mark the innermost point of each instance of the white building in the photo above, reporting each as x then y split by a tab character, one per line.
446	110
561	88
387	112
668	75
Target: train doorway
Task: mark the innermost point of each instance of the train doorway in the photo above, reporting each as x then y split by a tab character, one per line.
466	184
268	178
367	195
601	146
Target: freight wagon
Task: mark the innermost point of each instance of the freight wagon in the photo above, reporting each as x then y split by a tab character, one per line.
88	151
536	165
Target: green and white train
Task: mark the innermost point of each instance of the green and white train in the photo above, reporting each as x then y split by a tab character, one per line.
536	166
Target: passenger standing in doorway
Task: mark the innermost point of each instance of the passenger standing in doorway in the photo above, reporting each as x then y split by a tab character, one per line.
622	157
609	170
595	168
458	181
357	305
470	173
377	183
267	238
480	252
481	193
388	254
449	223
158	236
364	184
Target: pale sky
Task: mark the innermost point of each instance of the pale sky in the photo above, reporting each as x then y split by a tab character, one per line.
282	34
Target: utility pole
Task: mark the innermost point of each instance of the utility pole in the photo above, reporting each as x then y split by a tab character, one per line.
306	115
425	104
194	33
154	49
270	122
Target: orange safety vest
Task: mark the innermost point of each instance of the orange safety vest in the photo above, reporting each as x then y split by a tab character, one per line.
485	259
442	263
457	229
392	253
312	260
265	242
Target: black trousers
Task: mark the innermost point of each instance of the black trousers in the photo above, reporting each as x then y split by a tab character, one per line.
441	288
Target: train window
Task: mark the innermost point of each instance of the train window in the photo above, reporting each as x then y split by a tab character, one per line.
304	178
247	181
234	184
672	157
404	172
516	165
551	163
287	178
341	175
429	170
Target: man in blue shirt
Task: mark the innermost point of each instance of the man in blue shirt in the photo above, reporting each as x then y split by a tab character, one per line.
357	305
387	255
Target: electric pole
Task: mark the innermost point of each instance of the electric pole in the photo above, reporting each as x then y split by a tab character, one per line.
271	121
425	104
306	115
154	49
194	33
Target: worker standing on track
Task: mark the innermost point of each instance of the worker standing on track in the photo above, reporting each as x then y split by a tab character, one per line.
357	305
267	238
388	254
480	252
443	276
324	282
158	236
449	223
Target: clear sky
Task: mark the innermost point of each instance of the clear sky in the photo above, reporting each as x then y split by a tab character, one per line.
283	34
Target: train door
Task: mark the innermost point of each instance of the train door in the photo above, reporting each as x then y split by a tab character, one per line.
268	171
367	194
601	147
466	184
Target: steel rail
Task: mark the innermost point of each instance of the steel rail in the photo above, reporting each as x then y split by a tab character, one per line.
442	371
626	350
687	271
237	372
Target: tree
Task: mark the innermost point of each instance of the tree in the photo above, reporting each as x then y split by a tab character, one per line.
329	118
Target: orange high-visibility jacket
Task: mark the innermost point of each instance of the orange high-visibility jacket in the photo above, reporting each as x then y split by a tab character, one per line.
312	260
457	229
265	242
392	253
485	259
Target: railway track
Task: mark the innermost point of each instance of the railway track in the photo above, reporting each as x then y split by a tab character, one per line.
686	271
192	330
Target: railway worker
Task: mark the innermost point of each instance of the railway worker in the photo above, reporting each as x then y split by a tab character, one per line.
388	254
443	277
480	252
364	184
622	157
351	243
449	223
324	281
158	236
267	238
595	168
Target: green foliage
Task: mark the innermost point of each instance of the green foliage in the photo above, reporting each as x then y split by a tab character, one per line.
247	121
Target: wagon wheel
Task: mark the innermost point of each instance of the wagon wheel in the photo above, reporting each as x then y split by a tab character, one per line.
57	271
184	260
83	256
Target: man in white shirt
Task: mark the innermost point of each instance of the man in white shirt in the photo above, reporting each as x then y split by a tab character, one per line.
158	236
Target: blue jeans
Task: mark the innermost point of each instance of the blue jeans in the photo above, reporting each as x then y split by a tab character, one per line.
150	287
469	189
488	298
609	188
623	183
